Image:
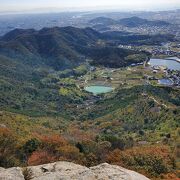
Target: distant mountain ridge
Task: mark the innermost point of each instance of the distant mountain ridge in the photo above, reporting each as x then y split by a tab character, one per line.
50	46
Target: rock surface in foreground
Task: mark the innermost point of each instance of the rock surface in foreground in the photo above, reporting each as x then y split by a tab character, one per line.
70	171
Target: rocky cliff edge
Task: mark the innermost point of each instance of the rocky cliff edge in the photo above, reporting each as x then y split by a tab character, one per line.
70	171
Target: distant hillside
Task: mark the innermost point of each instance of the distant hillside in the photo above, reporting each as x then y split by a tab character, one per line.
136	21
137	39
103	20
116	57
128	22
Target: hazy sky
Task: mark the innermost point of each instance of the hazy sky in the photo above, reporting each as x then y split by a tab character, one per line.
18	5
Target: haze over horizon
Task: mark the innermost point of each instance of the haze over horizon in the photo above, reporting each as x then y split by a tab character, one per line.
73	5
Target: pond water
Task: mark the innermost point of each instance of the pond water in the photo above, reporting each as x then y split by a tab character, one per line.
170	64
165	82
98	89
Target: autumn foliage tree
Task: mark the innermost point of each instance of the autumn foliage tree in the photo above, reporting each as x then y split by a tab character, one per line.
40	157
150	160
53	148
8	145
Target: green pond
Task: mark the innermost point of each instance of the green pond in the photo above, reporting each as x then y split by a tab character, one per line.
98	89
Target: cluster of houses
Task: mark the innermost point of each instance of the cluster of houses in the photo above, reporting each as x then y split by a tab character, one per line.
172	75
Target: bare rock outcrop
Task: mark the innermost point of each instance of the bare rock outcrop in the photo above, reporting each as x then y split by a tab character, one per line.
14	173
69	171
